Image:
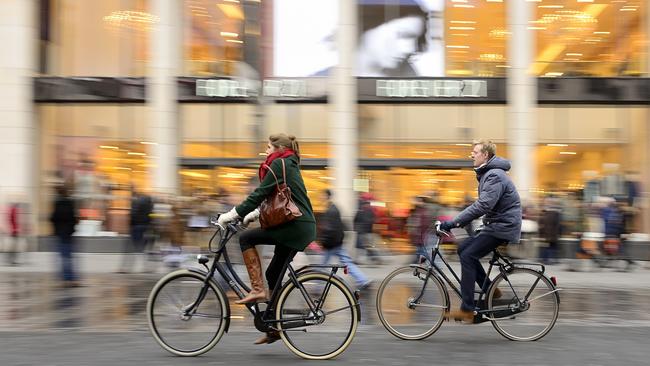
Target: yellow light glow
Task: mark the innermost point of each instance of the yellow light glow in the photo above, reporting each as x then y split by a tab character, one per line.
231	11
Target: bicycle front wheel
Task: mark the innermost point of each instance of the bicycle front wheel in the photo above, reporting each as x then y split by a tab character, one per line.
186	334
528	306
323	335
411	303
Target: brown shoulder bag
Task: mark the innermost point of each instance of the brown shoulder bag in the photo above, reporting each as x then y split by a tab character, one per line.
278	208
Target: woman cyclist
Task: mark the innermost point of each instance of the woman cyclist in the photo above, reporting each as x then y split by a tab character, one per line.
293	235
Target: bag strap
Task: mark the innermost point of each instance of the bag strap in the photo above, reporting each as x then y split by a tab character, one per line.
277	184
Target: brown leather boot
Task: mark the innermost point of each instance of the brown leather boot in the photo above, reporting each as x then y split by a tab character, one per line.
254	268
460	315
269	337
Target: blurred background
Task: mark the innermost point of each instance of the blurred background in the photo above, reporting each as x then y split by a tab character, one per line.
157	112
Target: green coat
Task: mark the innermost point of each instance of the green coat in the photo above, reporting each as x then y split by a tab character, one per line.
300	232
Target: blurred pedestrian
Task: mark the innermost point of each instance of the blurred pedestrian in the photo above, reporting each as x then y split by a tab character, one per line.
614	226
64	218
13	220
550	229
140	220
331	235
364	220
419	221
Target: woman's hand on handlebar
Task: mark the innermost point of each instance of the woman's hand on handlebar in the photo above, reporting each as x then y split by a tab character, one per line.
228	217
251	217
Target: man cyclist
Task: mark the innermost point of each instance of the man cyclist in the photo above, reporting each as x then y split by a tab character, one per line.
499	203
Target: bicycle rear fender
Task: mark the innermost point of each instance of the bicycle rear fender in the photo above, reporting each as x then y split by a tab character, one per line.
217	285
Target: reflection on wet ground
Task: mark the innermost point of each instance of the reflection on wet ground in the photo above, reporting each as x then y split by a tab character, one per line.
112	302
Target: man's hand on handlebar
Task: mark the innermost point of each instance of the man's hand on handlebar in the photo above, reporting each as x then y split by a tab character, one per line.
447	226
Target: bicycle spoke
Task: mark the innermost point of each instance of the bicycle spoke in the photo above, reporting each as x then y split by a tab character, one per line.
540	296
430	306
339	309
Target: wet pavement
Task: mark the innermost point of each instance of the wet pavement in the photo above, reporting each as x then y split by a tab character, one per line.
116	302
604	320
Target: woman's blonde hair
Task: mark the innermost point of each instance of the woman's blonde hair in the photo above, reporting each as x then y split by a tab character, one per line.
283	141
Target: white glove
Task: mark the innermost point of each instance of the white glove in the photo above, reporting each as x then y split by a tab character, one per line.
252	217
227	217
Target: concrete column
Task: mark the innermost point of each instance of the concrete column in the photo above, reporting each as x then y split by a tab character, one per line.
522	97
18	63
343	127
646	23
166	55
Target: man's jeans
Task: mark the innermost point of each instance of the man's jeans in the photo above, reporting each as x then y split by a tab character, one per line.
470	251
65	252
354	271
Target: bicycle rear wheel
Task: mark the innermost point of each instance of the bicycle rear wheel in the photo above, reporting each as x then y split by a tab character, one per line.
411	303
528	306
324	335
177	333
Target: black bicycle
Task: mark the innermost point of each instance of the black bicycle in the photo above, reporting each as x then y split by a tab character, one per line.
412	300
314	311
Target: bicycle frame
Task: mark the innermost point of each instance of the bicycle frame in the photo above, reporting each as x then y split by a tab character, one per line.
265	317
503	264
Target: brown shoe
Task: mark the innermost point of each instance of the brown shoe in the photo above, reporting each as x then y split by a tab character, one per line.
268	338
254	268
497	294
460	315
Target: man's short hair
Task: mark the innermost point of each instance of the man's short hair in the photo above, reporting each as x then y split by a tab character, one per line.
328	193
487	146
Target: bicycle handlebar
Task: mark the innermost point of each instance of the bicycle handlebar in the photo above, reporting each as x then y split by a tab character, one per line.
439	232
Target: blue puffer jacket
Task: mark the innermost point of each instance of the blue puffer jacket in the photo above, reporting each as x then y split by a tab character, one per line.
498	200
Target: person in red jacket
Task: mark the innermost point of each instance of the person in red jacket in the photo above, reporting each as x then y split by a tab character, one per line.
14	233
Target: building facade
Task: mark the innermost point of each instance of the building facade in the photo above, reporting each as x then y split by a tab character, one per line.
178	96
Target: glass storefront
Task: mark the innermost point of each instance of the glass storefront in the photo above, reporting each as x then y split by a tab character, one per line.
215	32
601	38
590	38
107	148
102	151
97	38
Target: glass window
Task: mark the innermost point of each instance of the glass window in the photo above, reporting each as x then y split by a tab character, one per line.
101	151
218	34
98	38
590	38
218	131
582	143
475	38
427	131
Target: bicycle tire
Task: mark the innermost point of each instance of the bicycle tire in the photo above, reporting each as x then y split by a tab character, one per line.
520	281
292	301
396	307
215	300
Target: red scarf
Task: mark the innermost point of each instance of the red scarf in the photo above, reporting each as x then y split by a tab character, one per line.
270	158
